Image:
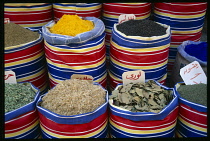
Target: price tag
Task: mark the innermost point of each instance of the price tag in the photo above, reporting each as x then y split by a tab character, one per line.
133	76
82	77
10	77
6	20
125	17
193	74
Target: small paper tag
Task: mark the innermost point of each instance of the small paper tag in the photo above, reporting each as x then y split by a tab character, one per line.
193	74
10	77
6	20
125	17
82	77
133	76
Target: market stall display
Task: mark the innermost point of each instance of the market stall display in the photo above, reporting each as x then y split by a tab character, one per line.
24	54
31	15
132	52
70	110
192	118
145	118
21	116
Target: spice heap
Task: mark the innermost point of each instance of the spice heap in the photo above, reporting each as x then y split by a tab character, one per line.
73	96
15	34
141	97
196	93
17	95
144	28
71	25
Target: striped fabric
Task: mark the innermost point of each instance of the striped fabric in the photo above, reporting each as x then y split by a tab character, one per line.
186	20
128	53
127	124
111	12
192	119
32	15
23	123
29	63
85	58
88	125
80	9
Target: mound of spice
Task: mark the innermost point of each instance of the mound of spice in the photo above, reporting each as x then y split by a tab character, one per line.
141	97
196	93
73	97
15	34
144	28
71	25
17	95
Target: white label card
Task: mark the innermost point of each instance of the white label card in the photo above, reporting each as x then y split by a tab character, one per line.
82	77
193	74
6	20
133	76
10	77
125	17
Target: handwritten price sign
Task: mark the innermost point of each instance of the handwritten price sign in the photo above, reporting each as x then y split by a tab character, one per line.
10	77
126	17
133	76
193	74
82	77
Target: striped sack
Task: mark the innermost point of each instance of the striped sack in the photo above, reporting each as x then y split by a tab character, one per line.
29	63
128	53
186	20
32	15
23	123
112	11
127	124
88	125
80	9
192	118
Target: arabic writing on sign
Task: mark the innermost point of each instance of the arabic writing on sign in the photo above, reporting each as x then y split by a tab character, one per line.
8	76
126	17
6	20
187	70
133	76
193	74
84	78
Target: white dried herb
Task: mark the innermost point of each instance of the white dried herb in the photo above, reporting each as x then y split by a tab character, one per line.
73	97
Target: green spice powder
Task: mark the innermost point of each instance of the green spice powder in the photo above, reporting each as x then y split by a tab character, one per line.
15	34
194	93
17	95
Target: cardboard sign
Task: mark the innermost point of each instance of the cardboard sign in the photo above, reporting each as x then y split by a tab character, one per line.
125	17
10	77
82	77
133	76
193	74
6	20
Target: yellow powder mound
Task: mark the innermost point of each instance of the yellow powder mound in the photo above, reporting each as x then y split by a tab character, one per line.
71	25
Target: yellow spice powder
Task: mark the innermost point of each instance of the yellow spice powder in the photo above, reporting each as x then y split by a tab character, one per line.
71	25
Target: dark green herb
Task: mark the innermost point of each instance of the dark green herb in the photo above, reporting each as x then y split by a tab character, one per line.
17	95
15	34
144	28
194	93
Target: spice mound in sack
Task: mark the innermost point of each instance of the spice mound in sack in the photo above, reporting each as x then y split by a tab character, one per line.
15	34
144	28
17	95
71	25
196	93
73	97
141	97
